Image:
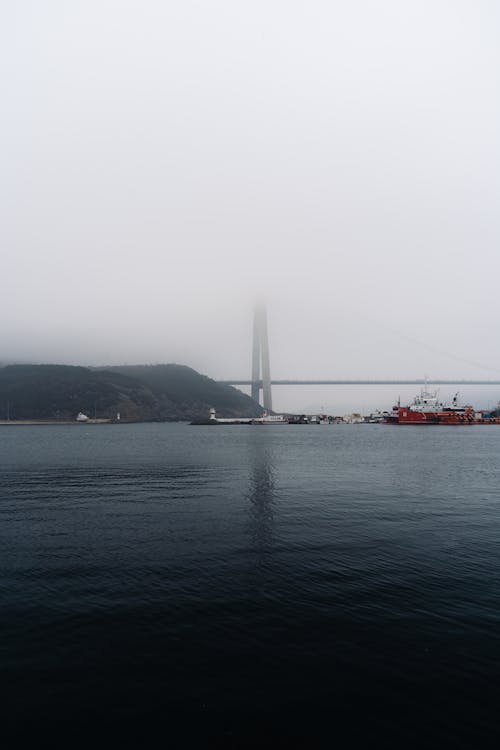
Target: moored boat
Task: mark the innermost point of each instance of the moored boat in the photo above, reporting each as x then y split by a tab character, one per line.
267	418
426	409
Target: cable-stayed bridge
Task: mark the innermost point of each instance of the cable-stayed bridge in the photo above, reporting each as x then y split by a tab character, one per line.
261	371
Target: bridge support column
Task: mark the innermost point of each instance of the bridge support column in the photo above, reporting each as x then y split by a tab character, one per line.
260	358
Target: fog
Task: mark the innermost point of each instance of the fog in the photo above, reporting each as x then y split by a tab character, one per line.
166	163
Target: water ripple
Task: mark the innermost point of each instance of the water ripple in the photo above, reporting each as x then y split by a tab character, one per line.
253	578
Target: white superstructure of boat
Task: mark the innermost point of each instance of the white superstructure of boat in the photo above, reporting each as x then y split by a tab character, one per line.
267	418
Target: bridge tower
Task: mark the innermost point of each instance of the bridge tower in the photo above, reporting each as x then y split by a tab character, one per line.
260	358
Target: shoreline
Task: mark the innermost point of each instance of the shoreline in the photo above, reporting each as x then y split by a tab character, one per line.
41	422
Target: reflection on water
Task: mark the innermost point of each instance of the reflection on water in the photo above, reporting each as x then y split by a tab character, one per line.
261	494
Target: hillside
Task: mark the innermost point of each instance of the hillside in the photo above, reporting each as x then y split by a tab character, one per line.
139	393
182	390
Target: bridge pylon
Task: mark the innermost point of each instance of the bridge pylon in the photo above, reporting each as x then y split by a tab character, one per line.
261	370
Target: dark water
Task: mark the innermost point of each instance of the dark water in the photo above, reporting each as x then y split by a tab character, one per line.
247	586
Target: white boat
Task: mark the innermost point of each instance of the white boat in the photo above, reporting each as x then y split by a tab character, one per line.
267	418
378	417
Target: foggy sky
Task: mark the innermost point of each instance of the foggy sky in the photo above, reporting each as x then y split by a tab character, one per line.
166	163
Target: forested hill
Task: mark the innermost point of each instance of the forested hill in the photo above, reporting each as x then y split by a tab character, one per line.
188	392
139	393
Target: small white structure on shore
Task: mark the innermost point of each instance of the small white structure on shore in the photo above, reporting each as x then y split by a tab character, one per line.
81	417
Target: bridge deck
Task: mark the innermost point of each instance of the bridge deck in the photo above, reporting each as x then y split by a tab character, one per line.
417	381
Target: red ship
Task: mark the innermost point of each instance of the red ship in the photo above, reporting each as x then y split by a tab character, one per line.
427	409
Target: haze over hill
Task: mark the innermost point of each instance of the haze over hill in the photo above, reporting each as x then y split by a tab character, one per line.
169	162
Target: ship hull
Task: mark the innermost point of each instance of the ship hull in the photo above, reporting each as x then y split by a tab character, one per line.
406	416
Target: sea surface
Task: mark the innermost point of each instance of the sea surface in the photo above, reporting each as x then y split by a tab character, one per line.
251	586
